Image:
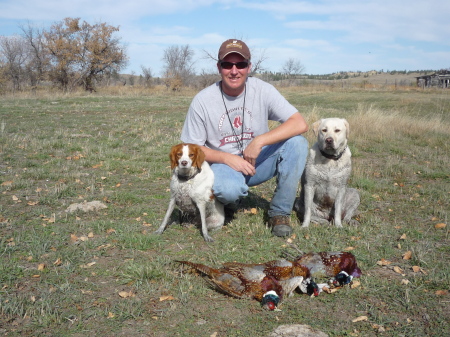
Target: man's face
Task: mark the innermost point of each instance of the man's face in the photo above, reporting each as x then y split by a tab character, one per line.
233	80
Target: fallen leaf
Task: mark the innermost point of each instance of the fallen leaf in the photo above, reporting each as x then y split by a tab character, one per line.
383	262
441	292
7	183
166	298
254	211
41	266
32	203
111	230
403	237
360	318
90	235
405	282
110	315
440	225
407	255
348	248
125	294
398	270
58	262
416	269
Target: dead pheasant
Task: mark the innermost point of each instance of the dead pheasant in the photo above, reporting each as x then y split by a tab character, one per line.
340	266
267	282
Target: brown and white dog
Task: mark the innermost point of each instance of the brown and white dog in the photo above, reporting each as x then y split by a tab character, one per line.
191	189
324	196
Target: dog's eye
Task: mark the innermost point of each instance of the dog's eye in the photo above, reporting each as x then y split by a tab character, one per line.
324	130
337	130
191	155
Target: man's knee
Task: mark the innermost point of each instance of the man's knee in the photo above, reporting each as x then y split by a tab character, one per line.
297	146
229	195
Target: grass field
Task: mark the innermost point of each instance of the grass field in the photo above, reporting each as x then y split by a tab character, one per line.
103	273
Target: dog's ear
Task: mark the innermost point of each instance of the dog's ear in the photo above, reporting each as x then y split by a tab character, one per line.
199	156
173	156
315	127
347	127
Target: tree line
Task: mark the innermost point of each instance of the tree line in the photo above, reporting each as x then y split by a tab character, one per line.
73	53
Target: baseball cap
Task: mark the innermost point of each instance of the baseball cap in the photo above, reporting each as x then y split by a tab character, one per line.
234	46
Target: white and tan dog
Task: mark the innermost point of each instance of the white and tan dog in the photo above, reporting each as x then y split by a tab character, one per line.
324	196
191	189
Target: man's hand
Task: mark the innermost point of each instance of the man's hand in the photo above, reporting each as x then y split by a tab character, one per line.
252	151
241	165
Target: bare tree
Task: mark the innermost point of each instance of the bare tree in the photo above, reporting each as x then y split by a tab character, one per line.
292	67
13	55
178	68
147	75
38	61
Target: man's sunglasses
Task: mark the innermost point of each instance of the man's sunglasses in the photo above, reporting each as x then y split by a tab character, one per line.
229	65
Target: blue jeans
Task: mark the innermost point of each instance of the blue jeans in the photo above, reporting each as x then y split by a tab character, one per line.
285	160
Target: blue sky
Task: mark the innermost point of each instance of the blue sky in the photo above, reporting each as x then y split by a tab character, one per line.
324	35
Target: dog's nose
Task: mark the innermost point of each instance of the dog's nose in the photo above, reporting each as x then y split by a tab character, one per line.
184	163
329	140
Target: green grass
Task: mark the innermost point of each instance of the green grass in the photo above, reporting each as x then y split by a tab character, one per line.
60	150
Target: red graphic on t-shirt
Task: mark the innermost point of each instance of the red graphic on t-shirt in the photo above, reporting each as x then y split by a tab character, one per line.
237	122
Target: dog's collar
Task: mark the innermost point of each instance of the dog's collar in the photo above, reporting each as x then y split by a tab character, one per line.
186	178
333	156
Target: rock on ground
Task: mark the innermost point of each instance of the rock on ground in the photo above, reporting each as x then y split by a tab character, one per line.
86	206
296	330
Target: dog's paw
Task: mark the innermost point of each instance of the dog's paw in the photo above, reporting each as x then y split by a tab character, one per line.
208	238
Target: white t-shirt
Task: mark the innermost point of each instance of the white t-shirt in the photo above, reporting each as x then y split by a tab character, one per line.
220	124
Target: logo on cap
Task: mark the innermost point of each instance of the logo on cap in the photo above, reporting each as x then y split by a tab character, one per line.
234	44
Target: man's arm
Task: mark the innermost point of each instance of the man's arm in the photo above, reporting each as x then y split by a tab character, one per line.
237	163
293	126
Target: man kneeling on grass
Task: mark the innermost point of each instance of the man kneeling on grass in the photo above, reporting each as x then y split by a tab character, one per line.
229	119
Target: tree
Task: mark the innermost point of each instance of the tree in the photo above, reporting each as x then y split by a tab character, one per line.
13	57
38	60
147	76
178	68
81	53
292	67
